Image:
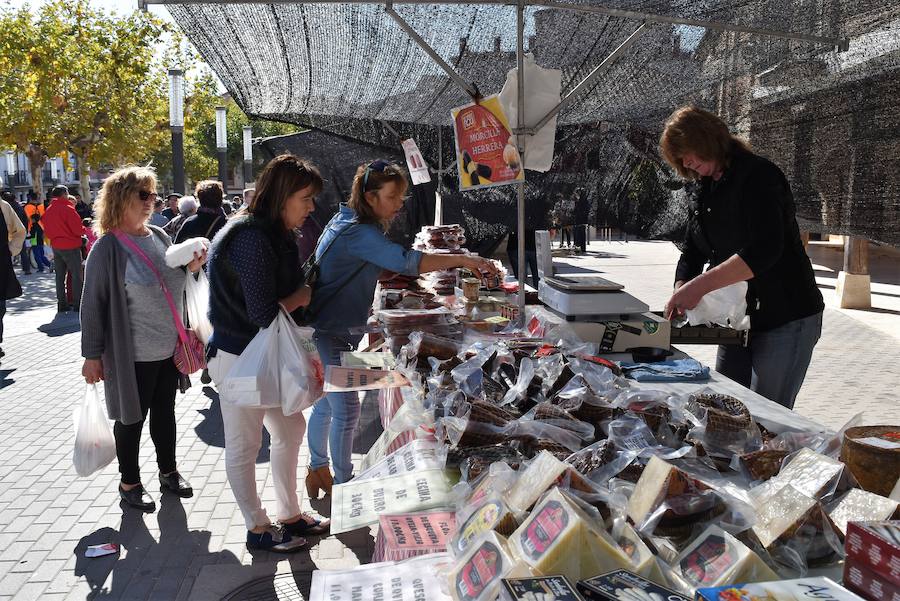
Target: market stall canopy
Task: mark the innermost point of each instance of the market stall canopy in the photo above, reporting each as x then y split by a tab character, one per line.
773	69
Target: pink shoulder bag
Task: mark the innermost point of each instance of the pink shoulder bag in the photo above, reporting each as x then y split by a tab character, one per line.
189	353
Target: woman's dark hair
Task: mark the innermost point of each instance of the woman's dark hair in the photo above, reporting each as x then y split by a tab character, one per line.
371	177
283	176
696	131
210	193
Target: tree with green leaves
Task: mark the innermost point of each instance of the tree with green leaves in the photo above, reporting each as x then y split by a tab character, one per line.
79	80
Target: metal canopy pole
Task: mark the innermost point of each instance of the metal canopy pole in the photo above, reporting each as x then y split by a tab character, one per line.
570	97
520	142
469	88
841	44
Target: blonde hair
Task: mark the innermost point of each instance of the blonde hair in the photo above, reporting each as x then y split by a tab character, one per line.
117	192
693	130
375	181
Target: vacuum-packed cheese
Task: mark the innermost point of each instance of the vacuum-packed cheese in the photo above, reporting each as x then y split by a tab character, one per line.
781	514
861	506
643	561
811	473
717	558
659	481
476	575
558	537
543	471
491	514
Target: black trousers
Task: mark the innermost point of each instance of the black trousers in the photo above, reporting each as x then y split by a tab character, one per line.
157	382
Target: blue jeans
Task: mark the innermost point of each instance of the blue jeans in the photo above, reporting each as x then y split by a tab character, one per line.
40	258
334	417
774	363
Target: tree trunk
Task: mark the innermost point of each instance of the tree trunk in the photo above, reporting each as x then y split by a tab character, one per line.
36	159
84	177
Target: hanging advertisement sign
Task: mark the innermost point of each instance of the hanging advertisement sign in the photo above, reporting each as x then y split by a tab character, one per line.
485	150
418	168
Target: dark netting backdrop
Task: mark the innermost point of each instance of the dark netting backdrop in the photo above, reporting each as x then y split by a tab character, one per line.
829	119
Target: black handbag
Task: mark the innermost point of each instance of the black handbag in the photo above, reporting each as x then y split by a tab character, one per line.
13	287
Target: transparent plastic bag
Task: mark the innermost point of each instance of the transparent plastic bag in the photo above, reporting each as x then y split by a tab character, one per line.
302	375
519	390
725	307
95	446
197	305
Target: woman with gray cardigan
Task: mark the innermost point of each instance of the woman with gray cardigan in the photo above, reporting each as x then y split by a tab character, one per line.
128	333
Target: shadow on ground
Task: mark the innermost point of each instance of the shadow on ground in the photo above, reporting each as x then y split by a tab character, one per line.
212	431
120	575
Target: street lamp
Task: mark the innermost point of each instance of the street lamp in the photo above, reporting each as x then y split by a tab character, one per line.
176	123
222	144
248	156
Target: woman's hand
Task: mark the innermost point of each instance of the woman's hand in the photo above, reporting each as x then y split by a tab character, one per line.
92	370
198	262
300	297
481	267
687	295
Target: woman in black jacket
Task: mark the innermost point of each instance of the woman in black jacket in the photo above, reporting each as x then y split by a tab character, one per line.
743	224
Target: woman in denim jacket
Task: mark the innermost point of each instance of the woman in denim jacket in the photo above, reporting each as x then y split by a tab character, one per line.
357	252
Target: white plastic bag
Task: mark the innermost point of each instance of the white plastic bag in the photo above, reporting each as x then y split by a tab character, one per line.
542	92
723	307
95	446
197	305
302	372
179	255
279	368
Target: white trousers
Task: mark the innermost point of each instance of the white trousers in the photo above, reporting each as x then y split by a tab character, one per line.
243	439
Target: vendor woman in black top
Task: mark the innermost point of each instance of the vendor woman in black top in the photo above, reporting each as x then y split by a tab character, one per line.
742	224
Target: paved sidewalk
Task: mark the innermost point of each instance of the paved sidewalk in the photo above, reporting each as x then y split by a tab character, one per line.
194	548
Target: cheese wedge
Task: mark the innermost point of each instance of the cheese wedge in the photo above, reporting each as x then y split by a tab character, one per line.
659	481
541	474
491	514
558	537
812	474
782	514
716	558
862	506
476	575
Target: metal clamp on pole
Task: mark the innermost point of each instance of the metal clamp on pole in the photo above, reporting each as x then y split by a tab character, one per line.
470	89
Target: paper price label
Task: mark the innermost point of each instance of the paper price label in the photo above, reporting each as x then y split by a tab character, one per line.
351	379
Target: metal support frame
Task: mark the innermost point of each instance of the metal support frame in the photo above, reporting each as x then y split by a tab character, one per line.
841	44
520	142
570	97
469	88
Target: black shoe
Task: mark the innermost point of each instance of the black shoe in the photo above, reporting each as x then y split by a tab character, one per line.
176	484
274	539
2	354
302	527
204	377
138	497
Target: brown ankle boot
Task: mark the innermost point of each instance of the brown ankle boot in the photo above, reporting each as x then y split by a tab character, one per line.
318	479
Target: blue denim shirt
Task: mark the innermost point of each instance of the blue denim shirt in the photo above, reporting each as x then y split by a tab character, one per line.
334	314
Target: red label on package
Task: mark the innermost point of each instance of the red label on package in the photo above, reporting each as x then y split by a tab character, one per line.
708	562
544	529
479	572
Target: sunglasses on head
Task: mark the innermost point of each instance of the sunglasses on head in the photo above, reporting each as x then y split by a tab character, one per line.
377	165
145	195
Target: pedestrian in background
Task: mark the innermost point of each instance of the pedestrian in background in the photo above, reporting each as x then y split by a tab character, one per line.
24	253
157	218
128	332
171	209
62	226
187	207
209	218
14	231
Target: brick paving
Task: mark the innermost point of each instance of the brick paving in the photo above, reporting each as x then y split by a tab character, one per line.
193	548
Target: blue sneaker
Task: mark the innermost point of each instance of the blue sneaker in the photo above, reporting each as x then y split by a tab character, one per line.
274	539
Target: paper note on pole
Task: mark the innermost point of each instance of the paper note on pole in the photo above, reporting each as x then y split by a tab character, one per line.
414	456
350	379
357	504
418	168
485	150
542	90
416	578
